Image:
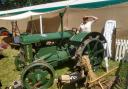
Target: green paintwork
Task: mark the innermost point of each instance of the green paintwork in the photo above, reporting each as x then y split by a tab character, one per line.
34	38
28	52
53	55
78	37
48	9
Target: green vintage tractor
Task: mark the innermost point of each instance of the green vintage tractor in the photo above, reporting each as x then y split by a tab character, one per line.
38	59
41	53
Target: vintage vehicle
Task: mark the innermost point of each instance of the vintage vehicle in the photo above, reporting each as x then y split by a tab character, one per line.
40	53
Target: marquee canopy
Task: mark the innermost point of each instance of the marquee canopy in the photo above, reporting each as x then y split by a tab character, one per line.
25	12
20	16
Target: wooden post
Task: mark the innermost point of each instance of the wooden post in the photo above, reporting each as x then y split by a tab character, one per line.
120	49
117	49
114	43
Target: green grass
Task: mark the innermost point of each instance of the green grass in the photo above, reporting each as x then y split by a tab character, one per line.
8	72
112	64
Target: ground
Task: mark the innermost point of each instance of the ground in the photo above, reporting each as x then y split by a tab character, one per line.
8	72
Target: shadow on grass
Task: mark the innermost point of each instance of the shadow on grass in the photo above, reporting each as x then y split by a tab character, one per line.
121	80
70	64
69	86
1	56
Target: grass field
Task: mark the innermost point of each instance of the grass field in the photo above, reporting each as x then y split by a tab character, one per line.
8	72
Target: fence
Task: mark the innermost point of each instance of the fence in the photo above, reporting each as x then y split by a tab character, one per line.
121	50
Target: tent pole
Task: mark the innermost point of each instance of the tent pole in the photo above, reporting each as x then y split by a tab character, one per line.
41	28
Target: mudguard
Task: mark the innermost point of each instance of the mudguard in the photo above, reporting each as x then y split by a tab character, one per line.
84	35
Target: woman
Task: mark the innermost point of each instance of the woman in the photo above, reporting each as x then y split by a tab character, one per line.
85	26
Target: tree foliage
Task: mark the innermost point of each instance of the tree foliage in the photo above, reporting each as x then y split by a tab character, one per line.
12	4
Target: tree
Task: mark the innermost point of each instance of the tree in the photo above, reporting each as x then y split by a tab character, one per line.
12	4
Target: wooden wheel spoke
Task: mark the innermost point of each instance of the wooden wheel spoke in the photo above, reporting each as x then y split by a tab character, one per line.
31	79
90	37
95	46
97	37
103	41
88	49
99	51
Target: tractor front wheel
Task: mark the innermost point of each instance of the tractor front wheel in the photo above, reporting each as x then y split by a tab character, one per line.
38	75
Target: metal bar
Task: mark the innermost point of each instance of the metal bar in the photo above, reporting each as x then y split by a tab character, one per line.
61	21
28	52
41	28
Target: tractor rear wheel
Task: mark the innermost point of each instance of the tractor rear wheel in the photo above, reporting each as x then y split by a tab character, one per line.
93	47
